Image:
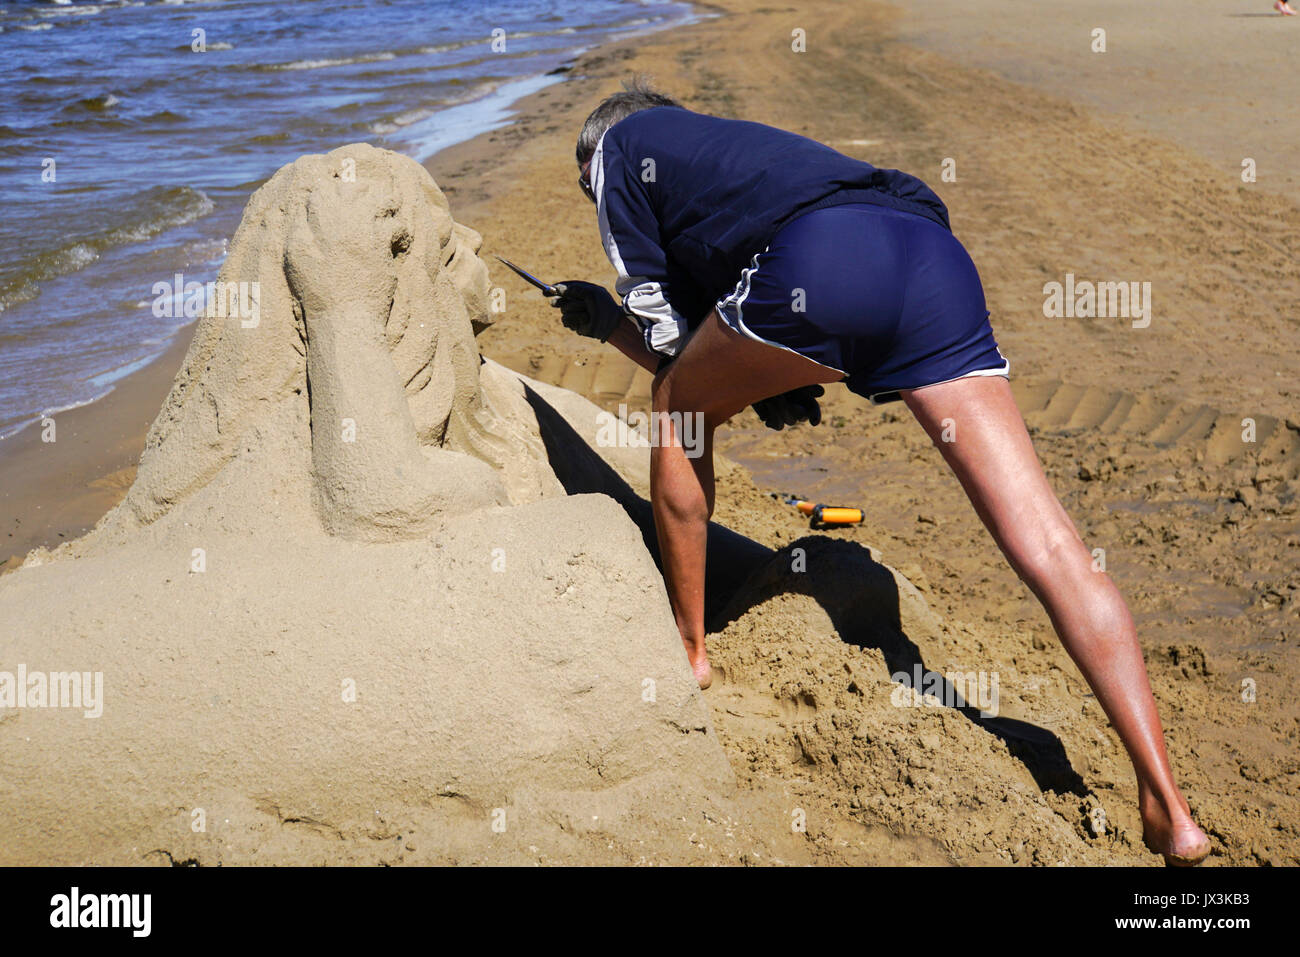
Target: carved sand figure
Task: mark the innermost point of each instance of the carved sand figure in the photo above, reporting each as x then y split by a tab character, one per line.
369	295
346	587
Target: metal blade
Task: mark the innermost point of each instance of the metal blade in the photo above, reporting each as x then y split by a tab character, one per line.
546	288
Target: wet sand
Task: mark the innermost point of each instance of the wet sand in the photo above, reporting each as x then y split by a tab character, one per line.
56	491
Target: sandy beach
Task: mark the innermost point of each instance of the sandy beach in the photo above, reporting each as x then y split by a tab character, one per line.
1118	174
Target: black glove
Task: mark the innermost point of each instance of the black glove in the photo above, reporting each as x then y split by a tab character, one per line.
789	408
589	309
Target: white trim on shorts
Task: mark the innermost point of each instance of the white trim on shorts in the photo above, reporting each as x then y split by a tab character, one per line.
1004	371
736	300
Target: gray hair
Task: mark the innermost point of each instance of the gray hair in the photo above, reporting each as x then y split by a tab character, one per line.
635	96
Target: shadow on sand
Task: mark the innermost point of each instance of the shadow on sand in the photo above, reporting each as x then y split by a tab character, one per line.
859	595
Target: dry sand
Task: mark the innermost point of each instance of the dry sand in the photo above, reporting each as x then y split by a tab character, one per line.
1139	429
1200	73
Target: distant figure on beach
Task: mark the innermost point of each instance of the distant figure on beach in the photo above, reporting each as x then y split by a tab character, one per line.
755	264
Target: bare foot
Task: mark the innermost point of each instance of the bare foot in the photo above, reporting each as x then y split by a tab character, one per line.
1284	8
1178	838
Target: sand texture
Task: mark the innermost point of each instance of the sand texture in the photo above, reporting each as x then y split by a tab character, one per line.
544	712
1140	430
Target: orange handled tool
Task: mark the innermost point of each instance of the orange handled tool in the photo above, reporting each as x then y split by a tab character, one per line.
822	516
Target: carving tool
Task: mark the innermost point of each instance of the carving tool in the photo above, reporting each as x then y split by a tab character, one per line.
546	288
821	516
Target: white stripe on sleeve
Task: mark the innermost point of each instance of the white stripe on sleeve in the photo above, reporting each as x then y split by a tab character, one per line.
663	328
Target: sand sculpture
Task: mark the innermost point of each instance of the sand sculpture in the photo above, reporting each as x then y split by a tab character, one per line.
348	594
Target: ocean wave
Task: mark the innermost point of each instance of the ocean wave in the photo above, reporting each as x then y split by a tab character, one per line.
143	217
449	47
263	139
216	47
93	104
67	10
482	87
523	34
207	47
326	62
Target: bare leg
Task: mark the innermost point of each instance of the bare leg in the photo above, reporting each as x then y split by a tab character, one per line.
718	373
992	456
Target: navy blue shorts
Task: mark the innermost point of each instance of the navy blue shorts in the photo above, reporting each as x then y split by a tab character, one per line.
889	298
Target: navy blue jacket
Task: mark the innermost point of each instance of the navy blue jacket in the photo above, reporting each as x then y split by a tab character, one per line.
686	200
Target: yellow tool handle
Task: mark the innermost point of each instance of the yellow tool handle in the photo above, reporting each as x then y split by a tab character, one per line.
833	515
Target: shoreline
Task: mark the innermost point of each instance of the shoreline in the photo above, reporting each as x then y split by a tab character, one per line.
56	492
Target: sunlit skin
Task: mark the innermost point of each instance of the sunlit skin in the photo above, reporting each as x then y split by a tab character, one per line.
719	372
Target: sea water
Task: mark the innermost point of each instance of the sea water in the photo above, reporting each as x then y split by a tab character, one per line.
132	134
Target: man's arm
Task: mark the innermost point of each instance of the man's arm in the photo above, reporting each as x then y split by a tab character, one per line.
627	339
629	231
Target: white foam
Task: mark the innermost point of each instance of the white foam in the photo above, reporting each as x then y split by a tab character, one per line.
340	61
464	121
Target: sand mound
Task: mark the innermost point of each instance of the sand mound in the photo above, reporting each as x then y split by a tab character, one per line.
831	663
347	595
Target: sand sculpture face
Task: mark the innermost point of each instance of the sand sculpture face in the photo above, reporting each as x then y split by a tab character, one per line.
363	358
